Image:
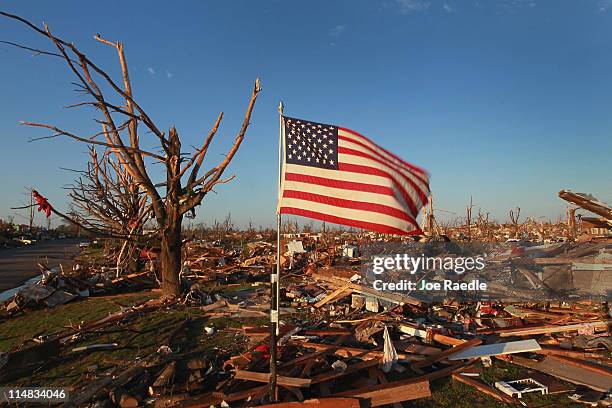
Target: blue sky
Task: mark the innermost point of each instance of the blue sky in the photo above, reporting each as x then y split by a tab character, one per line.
507	101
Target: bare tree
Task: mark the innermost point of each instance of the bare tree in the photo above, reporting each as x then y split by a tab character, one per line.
121	130
514	217
106	200
468	218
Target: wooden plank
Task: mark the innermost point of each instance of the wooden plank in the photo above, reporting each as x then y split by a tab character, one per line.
596	369
318	403
417	349
422	333
445	353
265	377
395	384
488	350
328	332
391	297
484	388
396	393
336	293
243	394
567	372
304	358
531	277
523	311
380	376
353	368
557	351
547	329
562	261
346	352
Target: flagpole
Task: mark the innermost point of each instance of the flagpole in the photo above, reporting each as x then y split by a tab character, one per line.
275	276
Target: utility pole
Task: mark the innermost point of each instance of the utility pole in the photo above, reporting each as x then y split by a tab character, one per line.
31	210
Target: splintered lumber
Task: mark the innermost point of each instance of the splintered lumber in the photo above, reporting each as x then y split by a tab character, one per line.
484	388
122	379
594	368
78	400
531	277
557	351
445	353
388	296
113	318
424	334
338	293
523	311
353	368
391	392
235	396
394	391
103	385
342	351
265	377
377	374
588	202
318	403
567	372
304	358
328	332
563	261
495	349
130	276
203	401
547	329
164	379
417	348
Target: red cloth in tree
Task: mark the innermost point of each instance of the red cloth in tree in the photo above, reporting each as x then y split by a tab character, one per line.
43	204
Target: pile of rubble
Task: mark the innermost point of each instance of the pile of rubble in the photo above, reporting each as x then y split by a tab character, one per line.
343	342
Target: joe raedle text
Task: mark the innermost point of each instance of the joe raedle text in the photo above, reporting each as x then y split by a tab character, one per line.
446	284
412	265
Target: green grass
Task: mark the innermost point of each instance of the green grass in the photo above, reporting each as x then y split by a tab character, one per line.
179	327
15	331
447	393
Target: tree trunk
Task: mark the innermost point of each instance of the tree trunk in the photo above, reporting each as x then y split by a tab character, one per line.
171	260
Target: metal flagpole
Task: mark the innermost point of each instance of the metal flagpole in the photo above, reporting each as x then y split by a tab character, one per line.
275	276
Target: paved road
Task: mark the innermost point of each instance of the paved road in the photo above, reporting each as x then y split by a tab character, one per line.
17	265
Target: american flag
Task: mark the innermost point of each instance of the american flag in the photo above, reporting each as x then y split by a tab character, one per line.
337	175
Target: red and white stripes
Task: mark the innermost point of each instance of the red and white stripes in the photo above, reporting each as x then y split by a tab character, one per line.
372	188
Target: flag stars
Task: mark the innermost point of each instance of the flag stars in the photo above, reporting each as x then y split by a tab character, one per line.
311	144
